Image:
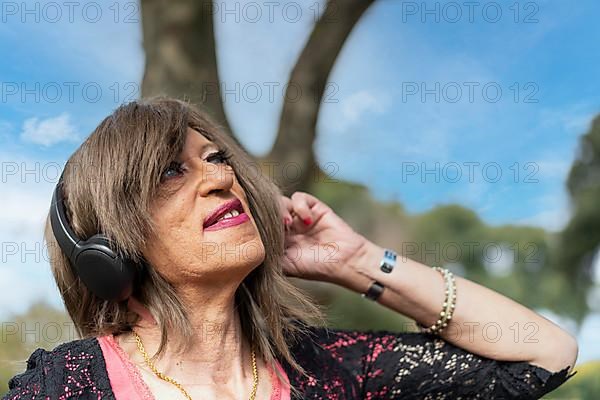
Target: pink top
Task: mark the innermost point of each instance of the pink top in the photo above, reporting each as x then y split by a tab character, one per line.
127	383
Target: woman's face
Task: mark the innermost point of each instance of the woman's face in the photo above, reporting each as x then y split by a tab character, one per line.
189	245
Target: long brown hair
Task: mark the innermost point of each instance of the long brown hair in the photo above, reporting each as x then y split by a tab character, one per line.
109	184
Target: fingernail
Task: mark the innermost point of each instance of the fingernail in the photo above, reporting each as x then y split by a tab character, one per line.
307	221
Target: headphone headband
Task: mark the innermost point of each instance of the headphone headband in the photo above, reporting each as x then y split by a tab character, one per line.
101	269
66	238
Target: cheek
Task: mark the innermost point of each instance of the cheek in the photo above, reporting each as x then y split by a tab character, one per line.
178	260
173	219
171	242
175	237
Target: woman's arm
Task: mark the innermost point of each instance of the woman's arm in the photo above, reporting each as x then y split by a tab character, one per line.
484	322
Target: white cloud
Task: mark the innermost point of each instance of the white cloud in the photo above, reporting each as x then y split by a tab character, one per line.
553	168
24	210
573	119
5	130
552	220
355	106
554	212
551	210
351	109
50	131
24	269
23	285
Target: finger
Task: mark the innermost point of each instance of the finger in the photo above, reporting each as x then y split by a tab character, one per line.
302	204
287	210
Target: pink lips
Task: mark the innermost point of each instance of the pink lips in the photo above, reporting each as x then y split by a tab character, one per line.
211	223
226	223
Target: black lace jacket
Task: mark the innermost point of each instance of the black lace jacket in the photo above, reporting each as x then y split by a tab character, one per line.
342	364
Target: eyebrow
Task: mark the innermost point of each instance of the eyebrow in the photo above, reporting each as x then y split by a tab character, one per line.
202	149
204	146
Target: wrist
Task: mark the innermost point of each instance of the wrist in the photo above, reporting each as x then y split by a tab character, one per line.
357	272
367	259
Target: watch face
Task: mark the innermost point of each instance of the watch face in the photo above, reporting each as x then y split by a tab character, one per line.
387	268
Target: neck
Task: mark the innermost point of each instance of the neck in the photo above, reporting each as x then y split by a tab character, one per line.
218	353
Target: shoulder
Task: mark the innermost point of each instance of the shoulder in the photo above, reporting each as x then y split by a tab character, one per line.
77	366
347	344
359	342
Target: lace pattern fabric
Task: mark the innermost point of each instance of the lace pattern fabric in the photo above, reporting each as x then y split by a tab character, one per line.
389	365
340	364
73	370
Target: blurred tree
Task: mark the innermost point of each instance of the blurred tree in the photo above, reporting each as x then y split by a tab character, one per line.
517	261
513	260
181	57
580	240
181	60
585	385
40	326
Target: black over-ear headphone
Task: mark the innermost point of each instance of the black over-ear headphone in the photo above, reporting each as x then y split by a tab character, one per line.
101	269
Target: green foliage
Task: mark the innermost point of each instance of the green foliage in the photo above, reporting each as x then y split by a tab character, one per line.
585	171
40	326
580	240
542	270
350	311
585	385
455	236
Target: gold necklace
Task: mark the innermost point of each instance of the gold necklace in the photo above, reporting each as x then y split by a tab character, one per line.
166	378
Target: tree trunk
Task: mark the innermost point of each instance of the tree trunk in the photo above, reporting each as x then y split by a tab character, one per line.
181	61
181	58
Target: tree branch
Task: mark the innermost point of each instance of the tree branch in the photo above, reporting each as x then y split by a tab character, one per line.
298	121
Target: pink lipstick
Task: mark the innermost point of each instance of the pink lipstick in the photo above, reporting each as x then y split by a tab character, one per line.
226	215
228	222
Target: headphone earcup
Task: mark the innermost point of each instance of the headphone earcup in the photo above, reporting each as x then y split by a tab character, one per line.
105	274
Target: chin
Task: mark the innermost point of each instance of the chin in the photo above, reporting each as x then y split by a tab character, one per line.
251	253
229	256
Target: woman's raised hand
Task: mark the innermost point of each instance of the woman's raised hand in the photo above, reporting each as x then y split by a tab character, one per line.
318	243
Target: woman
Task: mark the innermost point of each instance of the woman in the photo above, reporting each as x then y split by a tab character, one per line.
195	303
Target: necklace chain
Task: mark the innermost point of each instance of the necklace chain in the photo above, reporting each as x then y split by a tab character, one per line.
172	381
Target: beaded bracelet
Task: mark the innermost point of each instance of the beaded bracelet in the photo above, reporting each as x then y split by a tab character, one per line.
447	307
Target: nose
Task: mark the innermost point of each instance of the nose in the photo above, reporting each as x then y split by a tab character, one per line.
213	178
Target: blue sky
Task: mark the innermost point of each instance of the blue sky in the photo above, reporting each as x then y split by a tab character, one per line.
374	127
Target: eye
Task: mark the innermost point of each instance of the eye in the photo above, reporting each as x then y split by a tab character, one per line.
172	171
222	156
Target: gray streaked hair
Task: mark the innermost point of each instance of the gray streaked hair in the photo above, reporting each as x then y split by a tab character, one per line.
109	184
